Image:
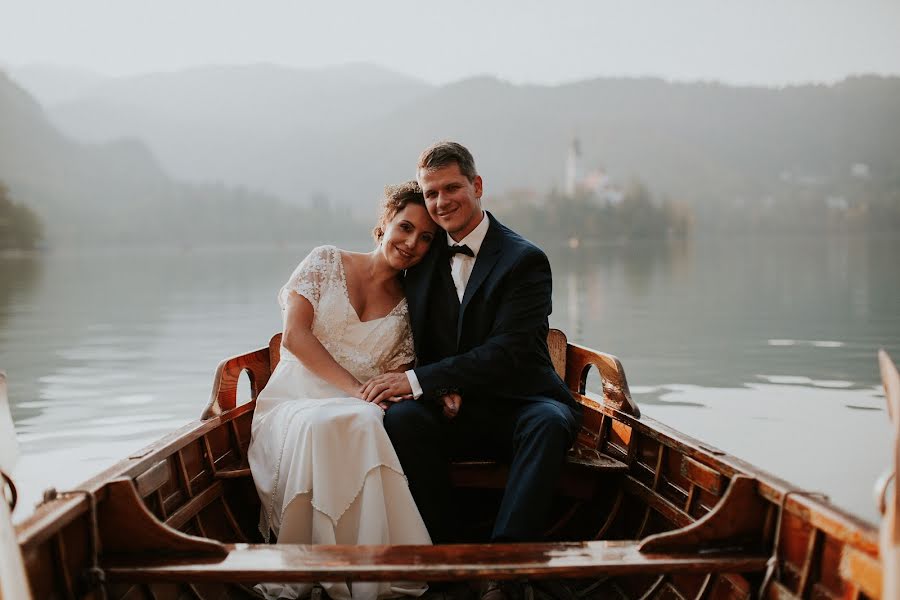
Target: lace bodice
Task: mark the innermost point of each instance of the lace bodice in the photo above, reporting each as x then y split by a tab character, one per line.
365	348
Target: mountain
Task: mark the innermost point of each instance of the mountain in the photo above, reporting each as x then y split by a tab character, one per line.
52	84
214	123
699	143
116	192
343	133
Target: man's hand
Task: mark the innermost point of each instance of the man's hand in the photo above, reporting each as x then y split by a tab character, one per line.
451	403
389	387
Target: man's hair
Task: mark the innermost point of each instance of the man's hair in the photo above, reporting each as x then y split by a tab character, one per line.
442	154
396	198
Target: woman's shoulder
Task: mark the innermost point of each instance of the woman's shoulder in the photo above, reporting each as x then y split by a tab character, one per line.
320	255
324	251
353	262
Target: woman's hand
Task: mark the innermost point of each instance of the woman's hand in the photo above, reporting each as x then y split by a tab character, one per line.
387	387
451	404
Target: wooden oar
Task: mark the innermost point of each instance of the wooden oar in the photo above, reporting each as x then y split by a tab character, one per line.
13	581
890	524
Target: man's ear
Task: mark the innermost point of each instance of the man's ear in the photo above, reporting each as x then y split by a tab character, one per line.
478	186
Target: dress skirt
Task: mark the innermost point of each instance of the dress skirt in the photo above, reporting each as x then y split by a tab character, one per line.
326	473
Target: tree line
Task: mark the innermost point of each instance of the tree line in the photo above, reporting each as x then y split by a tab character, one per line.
20	227
637	214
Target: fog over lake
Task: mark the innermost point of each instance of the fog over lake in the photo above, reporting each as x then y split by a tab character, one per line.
164	167
764	348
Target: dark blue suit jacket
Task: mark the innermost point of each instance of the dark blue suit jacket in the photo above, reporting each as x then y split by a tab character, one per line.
502	328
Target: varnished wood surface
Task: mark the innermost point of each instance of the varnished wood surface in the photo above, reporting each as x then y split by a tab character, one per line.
737	519
49	518
579	361
657	480
863	569
126	526
294	563
594	460
842	525
258	367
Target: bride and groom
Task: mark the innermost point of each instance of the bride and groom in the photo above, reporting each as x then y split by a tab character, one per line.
432	347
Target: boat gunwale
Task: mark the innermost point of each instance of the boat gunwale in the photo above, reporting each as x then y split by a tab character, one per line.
49	517
832	519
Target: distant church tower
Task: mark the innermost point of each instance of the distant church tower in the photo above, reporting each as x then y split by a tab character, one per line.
573	168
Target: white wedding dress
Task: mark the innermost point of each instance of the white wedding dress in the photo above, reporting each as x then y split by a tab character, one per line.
323	465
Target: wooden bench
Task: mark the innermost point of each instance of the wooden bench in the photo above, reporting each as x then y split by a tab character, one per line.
252	563
137	547
572	363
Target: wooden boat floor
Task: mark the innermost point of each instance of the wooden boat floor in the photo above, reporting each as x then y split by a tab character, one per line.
253	563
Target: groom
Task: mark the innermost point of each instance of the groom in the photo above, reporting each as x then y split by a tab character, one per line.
484	385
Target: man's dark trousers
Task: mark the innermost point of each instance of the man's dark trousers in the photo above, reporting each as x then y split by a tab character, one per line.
531	436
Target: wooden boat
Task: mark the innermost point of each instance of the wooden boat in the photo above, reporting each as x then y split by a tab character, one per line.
642	512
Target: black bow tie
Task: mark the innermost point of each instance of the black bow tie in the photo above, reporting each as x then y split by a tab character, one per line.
457	249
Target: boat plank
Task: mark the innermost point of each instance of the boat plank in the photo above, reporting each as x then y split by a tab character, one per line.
702	476
252	563
809	507
656	502
152	479
194	506
862	569
738	518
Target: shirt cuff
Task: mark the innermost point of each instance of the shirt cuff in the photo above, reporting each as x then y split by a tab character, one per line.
414	384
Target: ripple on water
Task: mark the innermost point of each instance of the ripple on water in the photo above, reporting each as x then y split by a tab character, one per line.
103	354
814	343
754	422
807	381
136	426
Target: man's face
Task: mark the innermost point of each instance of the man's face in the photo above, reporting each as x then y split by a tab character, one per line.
453	201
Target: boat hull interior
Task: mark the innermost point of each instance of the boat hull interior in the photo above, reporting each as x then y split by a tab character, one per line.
642	512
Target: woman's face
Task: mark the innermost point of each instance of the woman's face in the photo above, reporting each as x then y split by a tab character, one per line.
408	236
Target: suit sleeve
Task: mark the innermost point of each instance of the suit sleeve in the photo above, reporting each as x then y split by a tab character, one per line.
520	326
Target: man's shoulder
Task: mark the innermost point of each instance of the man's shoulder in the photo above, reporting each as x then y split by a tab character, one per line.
514	242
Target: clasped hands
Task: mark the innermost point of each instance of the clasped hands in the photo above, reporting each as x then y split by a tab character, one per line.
389	388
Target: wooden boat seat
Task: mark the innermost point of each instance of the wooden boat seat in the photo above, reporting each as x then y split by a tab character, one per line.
252	563
571	362
147	550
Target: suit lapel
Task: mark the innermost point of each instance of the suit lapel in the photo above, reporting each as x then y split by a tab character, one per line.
488	256
418	288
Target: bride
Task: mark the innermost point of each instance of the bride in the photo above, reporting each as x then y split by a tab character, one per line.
323	465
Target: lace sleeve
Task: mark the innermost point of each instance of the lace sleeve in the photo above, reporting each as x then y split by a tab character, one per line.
309	277
405	353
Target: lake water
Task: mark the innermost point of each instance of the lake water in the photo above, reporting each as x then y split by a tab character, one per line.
763	348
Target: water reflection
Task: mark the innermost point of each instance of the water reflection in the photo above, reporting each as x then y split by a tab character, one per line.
19	276
726	339
730	313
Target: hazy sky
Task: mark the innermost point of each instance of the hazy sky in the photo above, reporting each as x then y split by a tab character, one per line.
752	41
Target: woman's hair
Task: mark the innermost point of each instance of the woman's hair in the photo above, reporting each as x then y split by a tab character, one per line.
396	197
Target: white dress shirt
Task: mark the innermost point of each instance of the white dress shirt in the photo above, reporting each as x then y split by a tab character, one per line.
460	270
